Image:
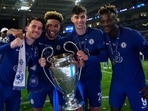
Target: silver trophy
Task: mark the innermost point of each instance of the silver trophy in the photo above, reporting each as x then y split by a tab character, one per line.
65	74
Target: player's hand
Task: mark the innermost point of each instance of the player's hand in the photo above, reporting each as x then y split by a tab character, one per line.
17	42
80	62
42	62
17	33
81	57
144	92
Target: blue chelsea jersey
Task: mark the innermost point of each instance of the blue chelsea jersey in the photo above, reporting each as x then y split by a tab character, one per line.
9	60
127	65
92	43
44	45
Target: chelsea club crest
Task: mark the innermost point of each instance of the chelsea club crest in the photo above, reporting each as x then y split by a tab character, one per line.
19	78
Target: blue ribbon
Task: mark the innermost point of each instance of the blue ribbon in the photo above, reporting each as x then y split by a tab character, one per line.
80	88
55	99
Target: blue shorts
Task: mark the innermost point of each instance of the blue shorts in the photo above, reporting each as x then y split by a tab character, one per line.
37	99
11	98
120	90
92	93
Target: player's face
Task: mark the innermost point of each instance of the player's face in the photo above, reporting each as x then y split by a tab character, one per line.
108	22
34	29
53	28
79	20
4	34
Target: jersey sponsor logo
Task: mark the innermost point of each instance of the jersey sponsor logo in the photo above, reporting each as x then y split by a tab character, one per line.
117	57
43	44
91	41
123	45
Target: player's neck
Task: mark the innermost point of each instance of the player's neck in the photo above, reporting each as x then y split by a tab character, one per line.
81	31
29	40
49	37
114	33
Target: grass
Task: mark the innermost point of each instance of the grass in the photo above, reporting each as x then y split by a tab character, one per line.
105	88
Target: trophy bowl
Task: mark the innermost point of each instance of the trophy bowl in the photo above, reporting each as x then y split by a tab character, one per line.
65	76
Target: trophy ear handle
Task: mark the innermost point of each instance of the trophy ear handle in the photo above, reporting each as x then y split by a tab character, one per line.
70	51
49	57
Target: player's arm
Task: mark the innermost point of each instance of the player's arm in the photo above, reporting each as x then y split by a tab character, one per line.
17	33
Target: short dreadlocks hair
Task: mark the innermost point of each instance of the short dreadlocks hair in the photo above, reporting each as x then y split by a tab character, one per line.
107	9
53	15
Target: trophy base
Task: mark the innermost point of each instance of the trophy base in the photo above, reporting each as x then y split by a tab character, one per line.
72	105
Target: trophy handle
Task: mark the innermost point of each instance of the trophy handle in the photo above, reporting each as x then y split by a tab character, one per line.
64	46
69	42
48	59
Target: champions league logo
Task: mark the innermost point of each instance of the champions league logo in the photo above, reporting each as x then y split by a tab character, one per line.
19	78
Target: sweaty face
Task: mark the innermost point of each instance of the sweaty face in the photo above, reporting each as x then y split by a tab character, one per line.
108	22
79	20
53	28
34	29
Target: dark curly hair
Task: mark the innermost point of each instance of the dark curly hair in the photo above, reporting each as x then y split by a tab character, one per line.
53	15
107	9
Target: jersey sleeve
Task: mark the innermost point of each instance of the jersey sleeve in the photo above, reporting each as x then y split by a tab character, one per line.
140	43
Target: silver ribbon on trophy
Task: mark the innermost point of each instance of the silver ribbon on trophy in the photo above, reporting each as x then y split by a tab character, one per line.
65	74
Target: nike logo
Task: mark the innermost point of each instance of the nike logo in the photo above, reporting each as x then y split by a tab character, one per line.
41	43
107	43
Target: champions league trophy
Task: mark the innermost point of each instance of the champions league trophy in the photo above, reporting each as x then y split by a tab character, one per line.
65	75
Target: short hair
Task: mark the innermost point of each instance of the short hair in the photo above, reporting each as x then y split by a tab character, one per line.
78	9
107	9
37	19
53	15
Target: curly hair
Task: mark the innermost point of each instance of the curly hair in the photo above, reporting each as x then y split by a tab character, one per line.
107	9
53	15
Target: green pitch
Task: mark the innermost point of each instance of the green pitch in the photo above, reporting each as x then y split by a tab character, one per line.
106	70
